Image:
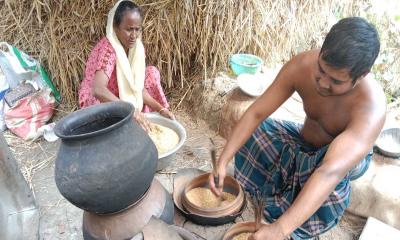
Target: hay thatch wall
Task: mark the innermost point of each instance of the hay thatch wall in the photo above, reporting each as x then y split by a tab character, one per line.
182	37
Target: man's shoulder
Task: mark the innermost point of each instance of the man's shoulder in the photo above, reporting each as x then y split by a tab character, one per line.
307	56
372	89
371	97
300	67
303	61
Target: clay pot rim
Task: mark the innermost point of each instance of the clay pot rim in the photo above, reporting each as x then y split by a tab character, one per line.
222	211
59	129
239	228
182	177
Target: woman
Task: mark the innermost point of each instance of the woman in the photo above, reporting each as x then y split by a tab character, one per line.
116	67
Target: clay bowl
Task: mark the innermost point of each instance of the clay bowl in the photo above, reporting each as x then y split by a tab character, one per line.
226	209
238	228
157	203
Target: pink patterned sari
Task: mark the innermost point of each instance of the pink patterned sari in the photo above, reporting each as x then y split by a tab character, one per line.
103	57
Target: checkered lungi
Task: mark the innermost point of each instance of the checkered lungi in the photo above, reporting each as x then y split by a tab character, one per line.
277	161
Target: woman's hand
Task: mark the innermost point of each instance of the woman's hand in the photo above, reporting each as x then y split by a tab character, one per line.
142	120
166	113
221	171
269	232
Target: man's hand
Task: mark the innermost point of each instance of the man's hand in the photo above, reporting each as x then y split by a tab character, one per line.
142	120
166	113
269	232
221	171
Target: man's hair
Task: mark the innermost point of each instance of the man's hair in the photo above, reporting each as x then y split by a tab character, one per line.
122	7
352	43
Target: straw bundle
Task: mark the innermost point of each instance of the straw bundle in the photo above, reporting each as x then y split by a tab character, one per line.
192	35
182	37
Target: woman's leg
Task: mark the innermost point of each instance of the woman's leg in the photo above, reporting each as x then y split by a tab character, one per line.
152	84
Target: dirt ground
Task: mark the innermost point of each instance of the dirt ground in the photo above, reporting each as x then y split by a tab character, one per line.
61	220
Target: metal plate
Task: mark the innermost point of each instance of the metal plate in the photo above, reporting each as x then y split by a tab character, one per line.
388	142
253	85
165	158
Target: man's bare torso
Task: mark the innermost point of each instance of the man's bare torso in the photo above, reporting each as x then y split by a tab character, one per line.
326	117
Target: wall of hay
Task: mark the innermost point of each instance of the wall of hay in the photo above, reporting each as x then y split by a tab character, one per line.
182	37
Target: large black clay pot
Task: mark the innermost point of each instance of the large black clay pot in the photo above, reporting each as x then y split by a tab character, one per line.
106	161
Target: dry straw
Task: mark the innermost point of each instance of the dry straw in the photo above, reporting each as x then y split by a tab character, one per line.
182	37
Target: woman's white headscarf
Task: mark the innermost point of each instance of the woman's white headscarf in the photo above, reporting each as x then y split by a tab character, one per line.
131	68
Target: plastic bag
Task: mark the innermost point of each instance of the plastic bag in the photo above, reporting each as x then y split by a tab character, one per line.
4	87
29	114
18	66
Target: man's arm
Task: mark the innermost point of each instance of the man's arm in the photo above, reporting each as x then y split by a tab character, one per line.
344	153
278	92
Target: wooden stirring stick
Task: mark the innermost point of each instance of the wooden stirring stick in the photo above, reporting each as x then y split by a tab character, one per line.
214	172
214	164
259	203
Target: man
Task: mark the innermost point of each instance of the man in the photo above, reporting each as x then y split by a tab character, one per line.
304	170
